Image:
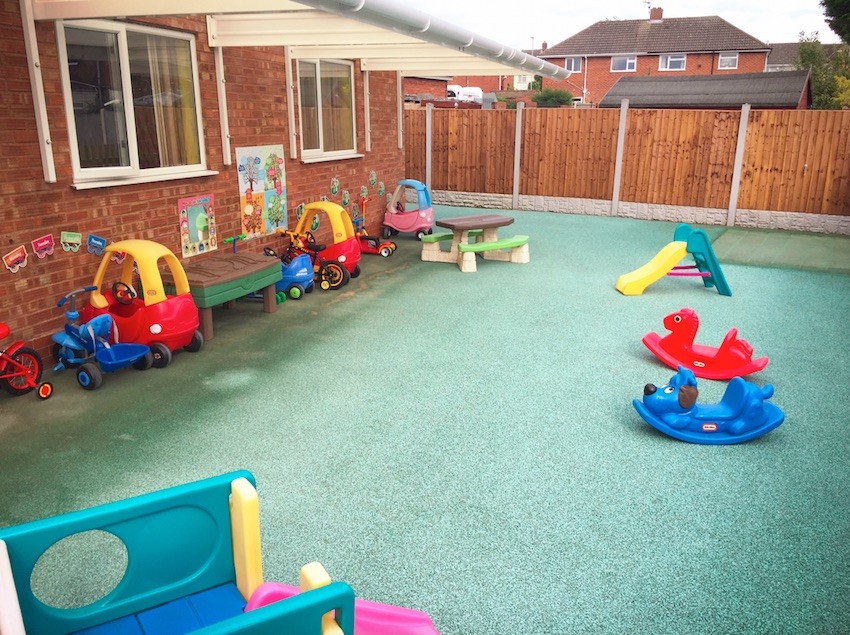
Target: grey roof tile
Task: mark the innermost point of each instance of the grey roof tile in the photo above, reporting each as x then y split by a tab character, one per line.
760	90
670	35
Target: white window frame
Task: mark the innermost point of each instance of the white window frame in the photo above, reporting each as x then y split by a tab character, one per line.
727	55
631	63
665	61
315	155
118	175
573	64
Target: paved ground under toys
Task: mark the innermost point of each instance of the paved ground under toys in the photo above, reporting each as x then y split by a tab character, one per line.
465	443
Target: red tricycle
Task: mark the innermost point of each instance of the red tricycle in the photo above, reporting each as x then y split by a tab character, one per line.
20	368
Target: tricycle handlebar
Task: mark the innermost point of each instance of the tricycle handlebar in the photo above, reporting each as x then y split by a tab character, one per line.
65	297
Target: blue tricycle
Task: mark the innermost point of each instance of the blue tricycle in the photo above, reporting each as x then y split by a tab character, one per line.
86	346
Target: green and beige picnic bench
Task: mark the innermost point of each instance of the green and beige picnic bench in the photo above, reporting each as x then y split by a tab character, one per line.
482	230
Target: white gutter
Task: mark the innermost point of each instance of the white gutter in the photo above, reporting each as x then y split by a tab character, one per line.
415	23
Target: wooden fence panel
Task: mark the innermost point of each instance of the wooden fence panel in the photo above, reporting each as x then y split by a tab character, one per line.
414	145
679	157
797	161
568	152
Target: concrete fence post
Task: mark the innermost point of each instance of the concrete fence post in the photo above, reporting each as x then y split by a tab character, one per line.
739	160
429	142
618	162
517	153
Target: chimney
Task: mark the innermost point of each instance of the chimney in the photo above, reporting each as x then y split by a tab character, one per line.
545	46
655	14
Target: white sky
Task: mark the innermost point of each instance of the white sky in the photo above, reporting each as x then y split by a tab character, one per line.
516	22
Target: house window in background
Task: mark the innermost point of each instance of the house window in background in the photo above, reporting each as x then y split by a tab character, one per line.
623	63
131	100
672	62
728	60
326	94
573	64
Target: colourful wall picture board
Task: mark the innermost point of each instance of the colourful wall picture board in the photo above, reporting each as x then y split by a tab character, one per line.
262	189
95	244
16	259
197	224
43	246
71	241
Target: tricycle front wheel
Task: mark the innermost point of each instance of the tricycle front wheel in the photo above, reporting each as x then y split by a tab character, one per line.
89	376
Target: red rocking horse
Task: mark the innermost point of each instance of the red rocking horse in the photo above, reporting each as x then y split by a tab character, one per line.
734	357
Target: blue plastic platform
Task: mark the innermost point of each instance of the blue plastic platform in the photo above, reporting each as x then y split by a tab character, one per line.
178	617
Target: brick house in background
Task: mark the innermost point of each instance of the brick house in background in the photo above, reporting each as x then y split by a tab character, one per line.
602	53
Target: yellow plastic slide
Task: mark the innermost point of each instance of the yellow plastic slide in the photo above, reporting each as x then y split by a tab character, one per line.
634	282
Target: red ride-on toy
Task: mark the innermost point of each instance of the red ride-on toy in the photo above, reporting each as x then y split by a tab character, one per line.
345	248
371	244
147	315
21	368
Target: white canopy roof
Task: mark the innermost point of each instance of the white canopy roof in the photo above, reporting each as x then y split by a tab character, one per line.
384	35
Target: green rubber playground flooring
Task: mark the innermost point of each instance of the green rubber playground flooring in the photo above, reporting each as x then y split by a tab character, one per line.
777	248
466	444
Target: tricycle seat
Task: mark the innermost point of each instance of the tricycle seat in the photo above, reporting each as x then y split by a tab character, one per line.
118	356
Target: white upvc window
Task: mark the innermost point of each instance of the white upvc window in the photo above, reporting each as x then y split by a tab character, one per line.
672	62
326	102
623	63
132	102
728	60
573	64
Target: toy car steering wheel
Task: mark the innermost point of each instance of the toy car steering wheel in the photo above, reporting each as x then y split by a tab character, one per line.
123	292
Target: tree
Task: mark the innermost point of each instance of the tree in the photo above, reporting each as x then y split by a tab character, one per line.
837	13
813	58
552	98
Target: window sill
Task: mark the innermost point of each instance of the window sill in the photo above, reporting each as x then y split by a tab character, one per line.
338	157
90	185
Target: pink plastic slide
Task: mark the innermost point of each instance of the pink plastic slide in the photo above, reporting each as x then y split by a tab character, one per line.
370	618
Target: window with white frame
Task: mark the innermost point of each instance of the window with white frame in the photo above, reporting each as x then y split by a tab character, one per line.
573	64
623	63
326	99
132	101
675	62
728	60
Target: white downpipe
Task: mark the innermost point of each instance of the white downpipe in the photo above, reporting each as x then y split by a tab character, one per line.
367	118
618	162
399	109
517	153
429	142
39	102
222	105
737	169
290	104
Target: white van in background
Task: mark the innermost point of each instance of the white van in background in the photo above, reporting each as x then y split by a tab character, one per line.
465	93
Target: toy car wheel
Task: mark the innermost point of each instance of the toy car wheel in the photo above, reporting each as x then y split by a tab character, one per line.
144	362
337	275
420	234
161	355
196	343
20	383
45	390
386	251
89	376
385	231
356	271
309	288
295	291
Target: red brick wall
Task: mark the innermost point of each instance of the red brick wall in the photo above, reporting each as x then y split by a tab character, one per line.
600	79
487	83
423	86
257	115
